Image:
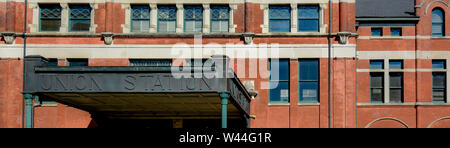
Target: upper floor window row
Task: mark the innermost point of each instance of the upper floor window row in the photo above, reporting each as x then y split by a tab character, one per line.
307	17
394	32
79	18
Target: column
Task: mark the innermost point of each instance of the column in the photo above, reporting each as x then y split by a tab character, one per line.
206	18
153	18
64	18
294	17
265	26
93	27
386	81
180	18
224	101
29	110
232	26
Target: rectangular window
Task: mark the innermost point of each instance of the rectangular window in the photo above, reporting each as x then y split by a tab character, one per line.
308	80
50	18
439	64
396	87
377	87
396	31
193	18
220	16
395	64
80	18
377	64
377	31
167	19
280	18
439	87
140	20
77	62
308	18
279	81
150	62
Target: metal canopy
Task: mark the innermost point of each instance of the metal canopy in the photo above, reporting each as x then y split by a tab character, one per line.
142	92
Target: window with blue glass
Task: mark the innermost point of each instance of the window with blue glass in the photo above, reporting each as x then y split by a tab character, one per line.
395	64
377	82
308	80
279	81
80	18
438	64
77	62
220	17
308	18
377	31
376	64
396	31
50	17
150	62
437	22
140	18
167	18
193	18
280	18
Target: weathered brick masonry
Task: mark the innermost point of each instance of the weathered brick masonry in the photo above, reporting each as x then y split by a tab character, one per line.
353	47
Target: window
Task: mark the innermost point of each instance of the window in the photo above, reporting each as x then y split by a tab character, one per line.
438	64
193	18
52	62
396	31
377	64
150	62
439	81
280	18
377	32
279	81
308	18
308	80
80	18
140	20
439	89
437	22
377	87
395	64
50	18
396	87
220	16
167	18
77	62
377	82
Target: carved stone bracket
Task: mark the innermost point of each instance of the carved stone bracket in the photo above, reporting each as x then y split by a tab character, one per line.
108	37
343	37
248	38
9	37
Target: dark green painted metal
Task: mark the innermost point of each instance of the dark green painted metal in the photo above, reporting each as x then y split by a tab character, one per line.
224	97
29	110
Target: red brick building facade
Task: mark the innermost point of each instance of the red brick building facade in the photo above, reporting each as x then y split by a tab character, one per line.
406	37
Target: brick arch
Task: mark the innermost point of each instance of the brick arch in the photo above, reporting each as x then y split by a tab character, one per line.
387	118
438	121
436	1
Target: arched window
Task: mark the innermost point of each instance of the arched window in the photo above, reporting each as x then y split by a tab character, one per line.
437	21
